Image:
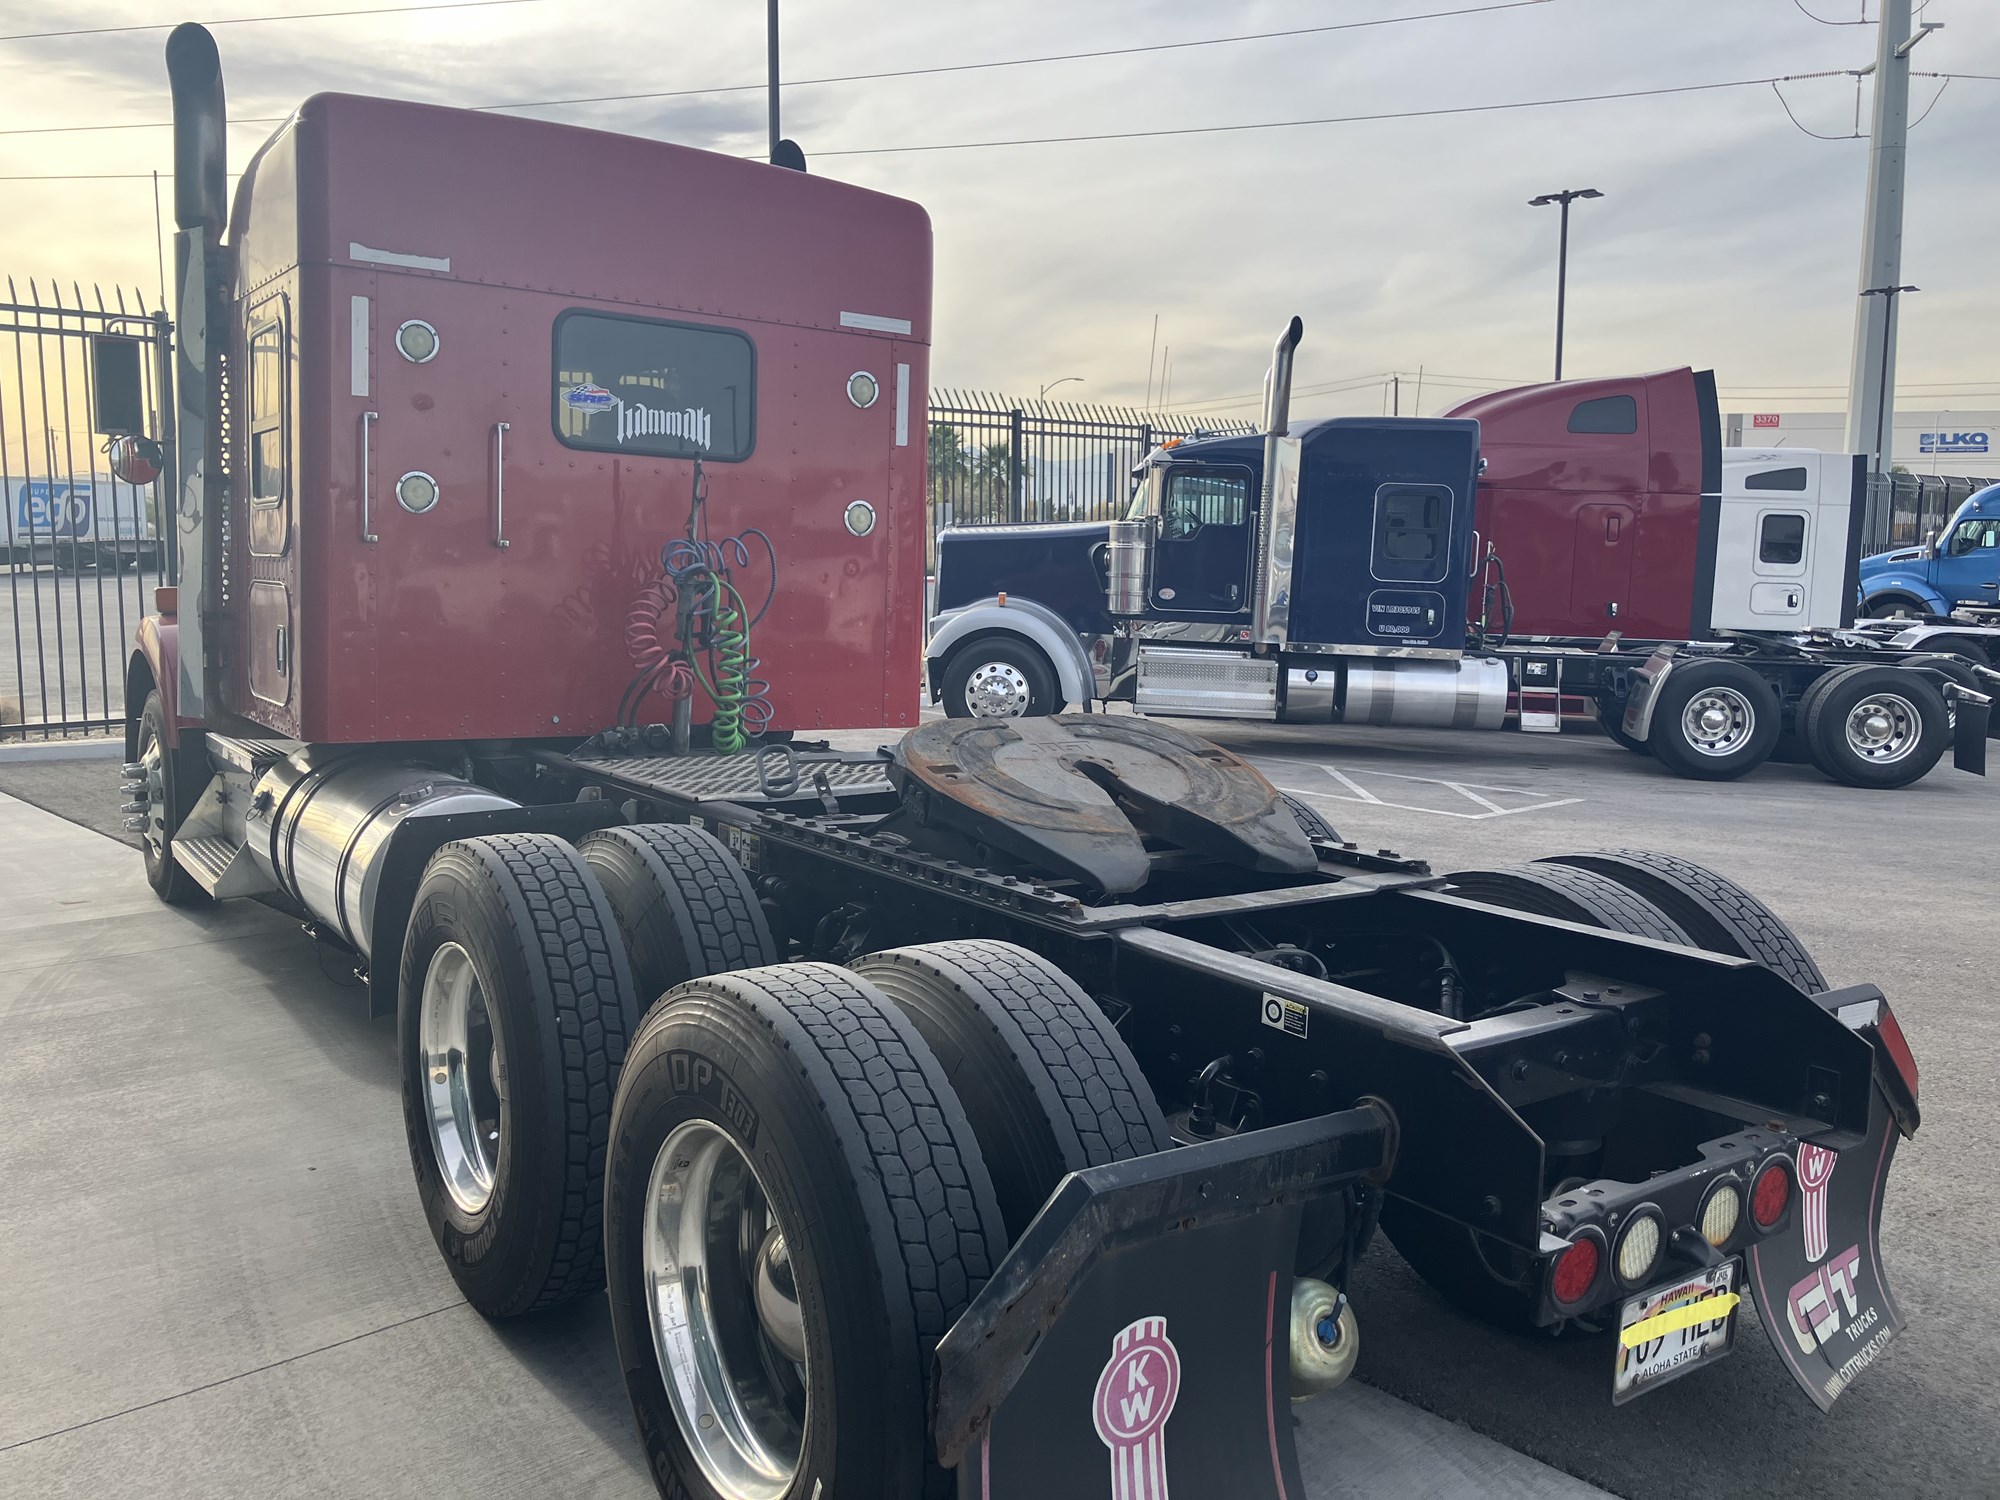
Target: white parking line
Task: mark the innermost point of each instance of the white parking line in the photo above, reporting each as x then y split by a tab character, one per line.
1352	789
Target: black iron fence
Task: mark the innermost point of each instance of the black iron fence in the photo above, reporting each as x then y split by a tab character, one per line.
81	550
1905	509
994	459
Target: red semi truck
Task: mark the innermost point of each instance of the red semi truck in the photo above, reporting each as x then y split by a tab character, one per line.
917	1107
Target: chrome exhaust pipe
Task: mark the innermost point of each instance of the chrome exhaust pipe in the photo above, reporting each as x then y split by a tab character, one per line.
1277	422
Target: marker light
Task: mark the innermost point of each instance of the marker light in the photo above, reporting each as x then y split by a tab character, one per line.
862	389
1639	1247
417	492
1576	1271
417	342
1771	1194
1722	1213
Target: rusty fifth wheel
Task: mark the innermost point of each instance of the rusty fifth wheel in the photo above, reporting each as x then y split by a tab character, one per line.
797	1212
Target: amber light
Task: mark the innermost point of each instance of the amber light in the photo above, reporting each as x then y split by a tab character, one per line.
1771	1194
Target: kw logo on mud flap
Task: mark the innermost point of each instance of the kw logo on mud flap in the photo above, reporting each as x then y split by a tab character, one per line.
694	1074
1816	1165
1135	1396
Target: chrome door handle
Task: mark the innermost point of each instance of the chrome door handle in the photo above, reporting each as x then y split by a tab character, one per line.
367	422
500	485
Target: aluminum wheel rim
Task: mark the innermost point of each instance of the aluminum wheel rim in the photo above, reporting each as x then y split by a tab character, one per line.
740	1398
152	756
1884	728
464	1077
1718	721
997	690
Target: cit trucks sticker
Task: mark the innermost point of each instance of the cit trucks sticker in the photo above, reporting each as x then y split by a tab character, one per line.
1819	1282
1135	1396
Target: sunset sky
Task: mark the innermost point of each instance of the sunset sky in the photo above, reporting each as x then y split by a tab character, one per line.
1728	236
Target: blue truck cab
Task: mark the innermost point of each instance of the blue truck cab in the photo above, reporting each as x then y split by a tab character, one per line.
1960	566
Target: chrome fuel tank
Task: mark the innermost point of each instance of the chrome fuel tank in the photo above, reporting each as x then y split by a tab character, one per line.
320	821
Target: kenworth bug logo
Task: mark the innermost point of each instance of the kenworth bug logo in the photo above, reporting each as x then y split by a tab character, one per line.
1135	1396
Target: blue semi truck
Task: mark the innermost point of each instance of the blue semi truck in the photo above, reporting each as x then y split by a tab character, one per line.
1958	567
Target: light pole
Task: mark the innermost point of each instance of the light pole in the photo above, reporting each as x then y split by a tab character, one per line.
1565	198
1054	383
1883	391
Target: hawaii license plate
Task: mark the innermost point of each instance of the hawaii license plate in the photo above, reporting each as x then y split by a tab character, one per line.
1672	1329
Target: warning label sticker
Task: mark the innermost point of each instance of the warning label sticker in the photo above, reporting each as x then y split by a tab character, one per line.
1288	1016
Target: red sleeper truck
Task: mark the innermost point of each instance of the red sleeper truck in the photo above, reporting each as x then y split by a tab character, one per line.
982	1111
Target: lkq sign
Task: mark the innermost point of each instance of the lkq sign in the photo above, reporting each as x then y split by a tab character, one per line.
1967	440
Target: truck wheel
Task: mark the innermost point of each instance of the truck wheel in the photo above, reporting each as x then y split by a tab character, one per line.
684	904
1878	727
1611	719
796	1213
1046	1081
1716	913
1574	895
1308	817
999	677
1969	647
1714	720
172	782
516	1002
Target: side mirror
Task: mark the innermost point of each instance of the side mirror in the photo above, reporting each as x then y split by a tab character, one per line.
117	387
1931	544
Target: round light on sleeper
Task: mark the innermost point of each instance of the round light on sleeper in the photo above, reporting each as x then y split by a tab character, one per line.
862	389
860	517
417	341
417	492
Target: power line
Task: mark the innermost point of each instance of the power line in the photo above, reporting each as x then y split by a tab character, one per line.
1409	114
793	83
311	15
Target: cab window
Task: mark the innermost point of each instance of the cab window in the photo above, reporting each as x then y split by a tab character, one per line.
1781	539
652	387
267	406
1412	532
1605	414
1974	534
1198	500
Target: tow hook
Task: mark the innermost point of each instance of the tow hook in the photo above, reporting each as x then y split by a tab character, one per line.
1326	1341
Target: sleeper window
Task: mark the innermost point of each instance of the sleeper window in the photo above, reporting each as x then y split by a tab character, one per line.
1781	539
1412	532
267	408
645	386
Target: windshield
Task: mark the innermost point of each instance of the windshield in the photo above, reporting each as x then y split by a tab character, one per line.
1142	497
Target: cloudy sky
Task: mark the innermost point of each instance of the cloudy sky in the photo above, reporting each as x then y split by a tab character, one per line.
1728	237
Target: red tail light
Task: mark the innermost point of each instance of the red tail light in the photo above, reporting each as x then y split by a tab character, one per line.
1576	1271
1890	1033
1771	1194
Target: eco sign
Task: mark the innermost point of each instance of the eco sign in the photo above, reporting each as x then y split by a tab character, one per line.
51	508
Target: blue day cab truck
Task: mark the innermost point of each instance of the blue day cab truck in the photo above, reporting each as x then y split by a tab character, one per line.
1699	599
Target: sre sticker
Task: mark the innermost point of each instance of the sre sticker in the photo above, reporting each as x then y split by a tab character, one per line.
1288	1016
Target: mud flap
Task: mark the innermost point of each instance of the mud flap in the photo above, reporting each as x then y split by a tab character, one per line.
1821	1289
1135	1343
1974	715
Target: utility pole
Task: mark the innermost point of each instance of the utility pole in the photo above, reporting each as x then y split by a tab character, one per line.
1872	377
771	51
1565	198
1396	401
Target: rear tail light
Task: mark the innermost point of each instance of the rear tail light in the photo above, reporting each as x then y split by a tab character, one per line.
1639	1245
1771	1194
1889	1032
1577	1270
1722	1212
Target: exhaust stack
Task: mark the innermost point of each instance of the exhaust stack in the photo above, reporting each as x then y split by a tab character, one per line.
1271	579
201	323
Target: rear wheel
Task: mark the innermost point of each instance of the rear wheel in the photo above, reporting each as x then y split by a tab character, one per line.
1971	649
796	1213
1311	823
1574	895
1047	1082
515	1004
1611	719
1000	677
685	906
1877	727
1714	911
1714	720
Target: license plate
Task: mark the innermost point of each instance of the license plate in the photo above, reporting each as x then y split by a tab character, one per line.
1672	1329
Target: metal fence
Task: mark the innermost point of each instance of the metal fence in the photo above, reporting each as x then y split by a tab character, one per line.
1904	509
81	551
994	459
